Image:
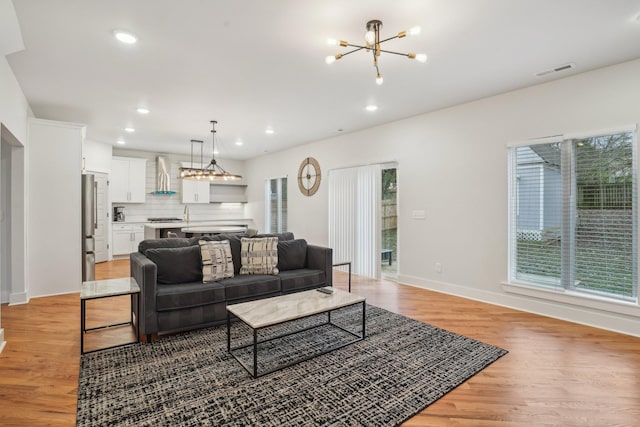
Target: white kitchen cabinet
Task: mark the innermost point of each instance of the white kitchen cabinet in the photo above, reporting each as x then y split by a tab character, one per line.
195	191
127	181
126	238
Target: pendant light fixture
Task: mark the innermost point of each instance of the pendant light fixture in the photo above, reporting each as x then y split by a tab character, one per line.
213	171
372	43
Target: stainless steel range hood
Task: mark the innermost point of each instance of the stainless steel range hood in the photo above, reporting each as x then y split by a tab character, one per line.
163	185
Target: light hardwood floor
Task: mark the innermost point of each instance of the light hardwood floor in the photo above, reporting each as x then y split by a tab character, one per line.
556	373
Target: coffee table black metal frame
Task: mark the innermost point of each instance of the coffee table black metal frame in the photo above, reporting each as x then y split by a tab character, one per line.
254	372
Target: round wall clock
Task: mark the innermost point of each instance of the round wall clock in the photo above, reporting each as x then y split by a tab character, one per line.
309	176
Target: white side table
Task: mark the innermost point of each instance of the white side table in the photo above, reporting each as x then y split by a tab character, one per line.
96	289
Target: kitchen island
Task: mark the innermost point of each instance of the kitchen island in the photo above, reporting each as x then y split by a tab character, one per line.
159	230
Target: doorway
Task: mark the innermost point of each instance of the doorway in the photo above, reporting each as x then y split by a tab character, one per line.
102	217
389	222
13	234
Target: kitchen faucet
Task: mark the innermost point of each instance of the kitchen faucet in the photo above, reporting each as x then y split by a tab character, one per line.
186	213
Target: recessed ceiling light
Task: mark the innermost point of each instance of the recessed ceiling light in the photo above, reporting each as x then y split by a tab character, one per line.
142	110
130	130
125	36
269	131
121	142
239	143
371	107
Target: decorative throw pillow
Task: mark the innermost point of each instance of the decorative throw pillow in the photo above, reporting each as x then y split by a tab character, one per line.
259	256
176	265
217	262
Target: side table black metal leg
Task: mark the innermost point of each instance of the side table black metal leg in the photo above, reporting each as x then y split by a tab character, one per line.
364	317
228	332
348	264
82	325
136	327
255	353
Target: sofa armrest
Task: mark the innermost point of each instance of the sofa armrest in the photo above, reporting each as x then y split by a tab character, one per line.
145	272
321	258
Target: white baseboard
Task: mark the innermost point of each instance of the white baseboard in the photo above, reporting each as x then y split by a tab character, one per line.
615	322
18	298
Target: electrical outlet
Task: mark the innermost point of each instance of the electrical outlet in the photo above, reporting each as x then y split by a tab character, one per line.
438	267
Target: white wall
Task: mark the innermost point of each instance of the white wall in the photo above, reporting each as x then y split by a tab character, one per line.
54	225
452	164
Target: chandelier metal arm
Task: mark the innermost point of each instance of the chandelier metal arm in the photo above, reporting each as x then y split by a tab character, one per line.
386	40
395	53
359	48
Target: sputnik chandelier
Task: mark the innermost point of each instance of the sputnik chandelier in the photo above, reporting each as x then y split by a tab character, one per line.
373	42
213	171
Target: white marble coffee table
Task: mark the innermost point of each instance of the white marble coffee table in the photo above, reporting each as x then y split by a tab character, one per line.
267	312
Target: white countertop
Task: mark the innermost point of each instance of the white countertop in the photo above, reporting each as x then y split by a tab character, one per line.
214	229
183	224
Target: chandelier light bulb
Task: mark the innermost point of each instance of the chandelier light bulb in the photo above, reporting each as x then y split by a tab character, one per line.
330	59
421	57
370	37
414	31
379	80
332	42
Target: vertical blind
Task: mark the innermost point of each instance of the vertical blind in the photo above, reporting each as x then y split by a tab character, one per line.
354	217
276	205
573	212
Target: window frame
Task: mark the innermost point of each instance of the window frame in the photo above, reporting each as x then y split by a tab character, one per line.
281	201
569	293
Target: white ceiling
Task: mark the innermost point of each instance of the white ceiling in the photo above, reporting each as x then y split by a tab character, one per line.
253	64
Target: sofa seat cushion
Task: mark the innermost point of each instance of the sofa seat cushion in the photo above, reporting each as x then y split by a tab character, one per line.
299	280
250	286
184	295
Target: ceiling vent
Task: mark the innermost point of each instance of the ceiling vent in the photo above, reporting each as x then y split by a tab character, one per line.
558	69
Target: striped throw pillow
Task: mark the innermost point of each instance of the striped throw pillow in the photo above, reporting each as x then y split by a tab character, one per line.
217	262
259	255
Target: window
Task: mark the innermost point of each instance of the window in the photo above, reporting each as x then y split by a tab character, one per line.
276	205
573	212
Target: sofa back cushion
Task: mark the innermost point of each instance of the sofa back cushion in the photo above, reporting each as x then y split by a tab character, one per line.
163	243
176	265
292	254
287	235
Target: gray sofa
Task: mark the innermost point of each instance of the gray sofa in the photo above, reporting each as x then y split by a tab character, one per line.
173	297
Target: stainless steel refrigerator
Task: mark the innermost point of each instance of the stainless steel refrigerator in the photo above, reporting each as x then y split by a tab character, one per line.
89	225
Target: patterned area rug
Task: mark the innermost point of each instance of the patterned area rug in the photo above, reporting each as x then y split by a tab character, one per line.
190	380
